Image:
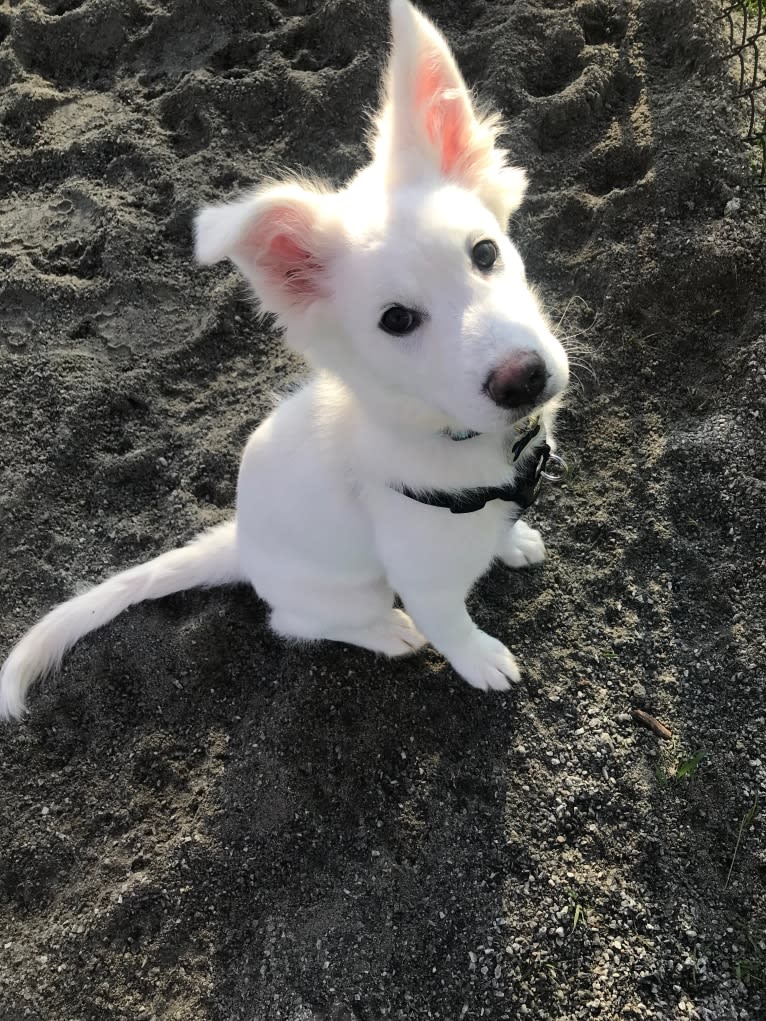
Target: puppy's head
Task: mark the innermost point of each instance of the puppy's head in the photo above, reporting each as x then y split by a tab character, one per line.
405	282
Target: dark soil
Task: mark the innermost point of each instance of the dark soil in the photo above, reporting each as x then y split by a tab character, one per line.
201	822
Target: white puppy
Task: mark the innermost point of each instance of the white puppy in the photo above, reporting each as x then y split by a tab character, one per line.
402	465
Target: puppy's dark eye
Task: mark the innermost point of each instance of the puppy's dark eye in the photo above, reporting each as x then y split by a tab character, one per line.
484	254
399	320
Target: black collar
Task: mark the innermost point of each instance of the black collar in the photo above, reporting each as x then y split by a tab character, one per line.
522	491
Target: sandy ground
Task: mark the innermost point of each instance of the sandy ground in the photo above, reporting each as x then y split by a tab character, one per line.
198	822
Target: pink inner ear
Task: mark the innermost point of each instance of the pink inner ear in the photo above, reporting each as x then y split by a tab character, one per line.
446	115
278	244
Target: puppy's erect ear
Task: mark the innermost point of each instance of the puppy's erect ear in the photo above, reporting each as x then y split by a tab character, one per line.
282	238
428	124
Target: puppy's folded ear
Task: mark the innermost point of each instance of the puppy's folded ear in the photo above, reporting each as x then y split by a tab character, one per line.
282	238
428	124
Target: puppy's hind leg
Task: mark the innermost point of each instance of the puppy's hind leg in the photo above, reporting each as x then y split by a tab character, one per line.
393	635
358	615
521	546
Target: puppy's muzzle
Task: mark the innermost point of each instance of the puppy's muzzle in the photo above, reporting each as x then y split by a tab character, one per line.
518	382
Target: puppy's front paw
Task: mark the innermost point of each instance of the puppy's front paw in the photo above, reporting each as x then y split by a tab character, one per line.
523	546
485	663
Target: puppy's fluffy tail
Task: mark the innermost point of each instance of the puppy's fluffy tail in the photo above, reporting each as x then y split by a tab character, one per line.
210	559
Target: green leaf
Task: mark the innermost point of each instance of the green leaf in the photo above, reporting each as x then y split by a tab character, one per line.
689	766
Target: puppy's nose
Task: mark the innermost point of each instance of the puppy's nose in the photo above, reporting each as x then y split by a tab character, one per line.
519	381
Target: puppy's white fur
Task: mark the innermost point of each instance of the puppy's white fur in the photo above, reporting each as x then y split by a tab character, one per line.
320	532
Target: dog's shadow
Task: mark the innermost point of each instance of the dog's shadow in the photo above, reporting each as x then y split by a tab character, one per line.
341	817
351	819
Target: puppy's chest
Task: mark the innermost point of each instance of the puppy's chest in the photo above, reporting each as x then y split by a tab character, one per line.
462	543
473	499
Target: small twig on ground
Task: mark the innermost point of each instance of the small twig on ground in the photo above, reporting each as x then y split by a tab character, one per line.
651	724
747	821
